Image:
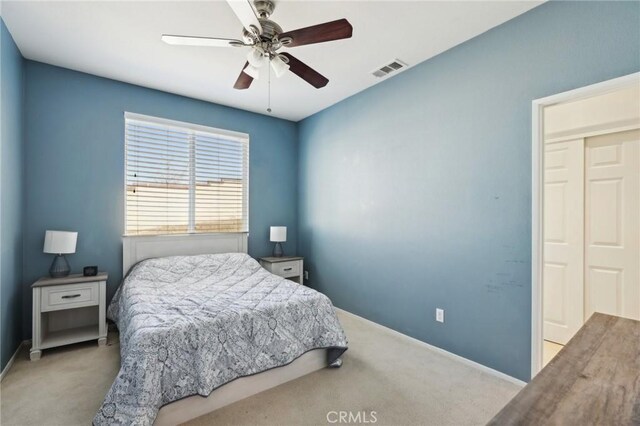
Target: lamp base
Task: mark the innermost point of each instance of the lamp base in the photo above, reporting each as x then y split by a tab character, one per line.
277	250
59	267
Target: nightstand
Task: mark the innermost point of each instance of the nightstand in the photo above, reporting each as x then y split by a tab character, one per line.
290	267
68	310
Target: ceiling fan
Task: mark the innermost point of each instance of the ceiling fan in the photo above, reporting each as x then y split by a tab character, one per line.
265	38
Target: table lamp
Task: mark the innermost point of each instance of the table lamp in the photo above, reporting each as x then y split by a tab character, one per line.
60	243
278	236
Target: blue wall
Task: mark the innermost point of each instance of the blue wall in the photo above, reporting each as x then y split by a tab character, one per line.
416	193
11	194
75	165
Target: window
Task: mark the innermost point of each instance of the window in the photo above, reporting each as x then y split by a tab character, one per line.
184	178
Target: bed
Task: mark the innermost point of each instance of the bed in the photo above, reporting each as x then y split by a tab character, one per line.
199	331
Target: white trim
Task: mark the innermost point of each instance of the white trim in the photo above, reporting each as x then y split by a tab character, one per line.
537	124
590	91
536	237
441	351
12	359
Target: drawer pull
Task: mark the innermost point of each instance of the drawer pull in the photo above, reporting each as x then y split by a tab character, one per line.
71	296
287	269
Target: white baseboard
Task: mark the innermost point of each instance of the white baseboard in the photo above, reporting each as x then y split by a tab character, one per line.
459	358
13	358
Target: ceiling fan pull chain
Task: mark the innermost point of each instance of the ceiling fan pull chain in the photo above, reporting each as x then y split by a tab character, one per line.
269	90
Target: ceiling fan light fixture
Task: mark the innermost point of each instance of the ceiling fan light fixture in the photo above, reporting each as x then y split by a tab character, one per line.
279	66
256	58
252	71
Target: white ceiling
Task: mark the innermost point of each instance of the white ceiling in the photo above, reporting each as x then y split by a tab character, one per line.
121	40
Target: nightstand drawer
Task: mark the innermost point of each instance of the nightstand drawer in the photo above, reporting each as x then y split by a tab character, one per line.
69	296
287	269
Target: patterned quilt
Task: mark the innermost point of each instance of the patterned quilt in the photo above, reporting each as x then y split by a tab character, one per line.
189	324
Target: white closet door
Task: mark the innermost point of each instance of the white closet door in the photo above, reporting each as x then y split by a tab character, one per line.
612	225
563	240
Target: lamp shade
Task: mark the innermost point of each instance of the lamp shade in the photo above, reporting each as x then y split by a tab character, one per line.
278	234
60	242
252	72
279	66
256	58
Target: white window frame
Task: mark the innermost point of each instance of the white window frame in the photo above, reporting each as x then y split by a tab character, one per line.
182	125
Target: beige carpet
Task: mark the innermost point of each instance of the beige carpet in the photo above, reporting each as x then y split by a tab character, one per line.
402	381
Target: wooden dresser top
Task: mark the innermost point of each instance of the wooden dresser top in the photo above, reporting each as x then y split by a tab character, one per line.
594	380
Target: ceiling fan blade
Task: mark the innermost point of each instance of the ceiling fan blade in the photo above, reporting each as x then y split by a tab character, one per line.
199	41
244	80
245	13
329	31
305	72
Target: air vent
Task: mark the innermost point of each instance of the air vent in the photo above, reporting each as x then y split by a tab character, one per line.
394	66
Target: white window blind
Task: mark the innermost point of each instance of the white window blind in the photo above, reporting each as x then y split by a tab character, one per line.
184	178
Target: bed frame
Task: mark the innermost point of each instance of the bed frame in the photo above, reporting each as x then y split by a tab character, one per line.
137	248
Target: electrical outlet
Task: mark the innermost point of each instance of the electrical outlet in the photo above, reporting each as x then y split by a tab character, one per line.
439	315
306	275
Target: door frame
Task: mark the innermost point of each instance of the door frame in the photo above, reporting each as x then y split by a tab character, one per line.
537	197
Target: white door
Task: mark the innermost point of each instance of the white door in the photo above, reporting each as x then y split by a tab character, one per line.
612	224
563	240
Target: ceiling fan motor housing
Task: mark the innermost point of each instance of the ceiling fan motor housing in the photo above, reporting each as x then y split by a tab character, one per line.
269	29
267	42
